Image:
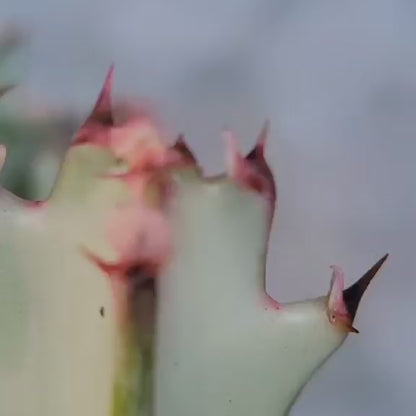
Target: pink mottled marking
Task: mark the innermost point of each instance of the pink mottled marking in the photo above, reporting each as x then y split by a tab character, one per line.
336	300
337	309
140	234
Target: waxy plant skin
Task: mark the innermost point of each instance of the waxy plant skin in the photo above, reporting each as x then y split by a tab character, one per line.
138	287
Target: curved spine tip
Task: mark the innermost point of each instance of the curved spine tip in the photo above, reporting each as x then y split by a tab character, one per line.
257	152
352	295
101	117
102	111
251	171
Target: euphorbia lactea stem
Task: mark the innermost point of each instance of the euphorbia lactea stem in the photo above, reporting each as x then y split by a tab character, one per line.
142	284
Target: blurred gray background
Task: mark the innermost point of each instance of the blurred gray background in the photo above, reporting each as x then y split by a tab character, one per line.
338	81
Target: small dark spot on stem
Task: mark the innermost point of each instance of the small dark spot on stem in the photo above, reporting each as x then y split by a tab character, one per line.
102	311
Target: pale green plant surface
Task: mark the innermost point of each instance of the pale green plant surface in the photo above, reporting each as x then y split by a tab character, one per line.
137	287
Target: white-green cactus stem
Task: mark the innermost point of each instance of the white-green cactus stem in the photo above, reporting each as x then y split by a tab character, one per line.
180	329
223	349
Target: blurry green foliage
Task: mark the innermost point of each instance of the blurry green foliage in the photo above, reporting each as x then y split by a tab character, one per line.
34	144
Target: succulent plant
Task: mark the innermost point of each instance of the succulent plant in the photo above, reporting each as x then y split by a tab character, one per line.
138	286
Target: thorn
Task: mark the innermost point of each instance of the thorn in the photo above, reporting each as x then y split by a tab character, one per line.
354	293
337	311
183	149
102	109
258	161
251	171
264	134
95	130
257	153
